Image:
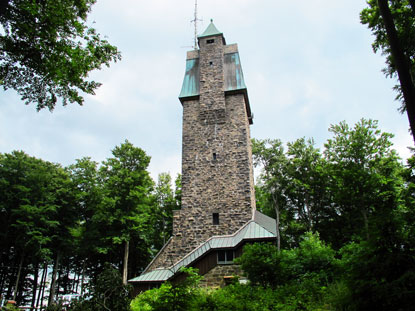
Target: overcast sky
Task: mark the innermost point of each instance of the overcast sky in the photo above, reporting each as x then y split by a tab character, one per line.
307	64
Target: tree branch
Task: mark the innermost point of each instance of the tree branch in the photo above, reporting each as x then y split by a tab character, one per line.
401	62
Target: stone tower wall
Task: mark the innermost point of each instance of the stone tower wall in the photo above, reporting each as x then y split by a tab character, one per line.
217	172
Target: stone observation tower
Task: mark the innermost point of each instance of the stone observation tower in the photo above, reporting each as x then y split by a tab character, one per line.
218	213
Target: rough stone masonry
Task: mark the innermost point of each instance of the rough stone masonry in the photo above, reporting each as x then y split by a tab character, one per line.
217	178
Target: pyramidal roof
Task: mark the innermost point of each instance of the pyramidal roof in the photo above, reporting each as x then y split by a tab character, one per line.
211	30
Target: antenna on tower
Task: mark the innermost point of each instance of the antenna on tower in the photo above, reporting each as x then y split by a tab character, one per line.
195	20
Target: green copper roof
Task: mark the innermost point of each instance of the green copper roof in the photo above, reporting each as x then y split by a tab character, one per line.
234	78
190	85
158	275
210	31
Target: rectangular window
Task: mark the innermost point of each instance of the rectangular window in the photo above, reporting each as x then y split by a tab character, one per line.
214	156
215	218
210	41
225	257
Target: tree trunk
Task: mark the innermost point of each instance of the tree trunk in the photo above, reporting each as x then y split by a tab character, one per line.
308	211
82	278
35	286
76	284
42	284
16	286
366	222
2	279
401	63
277	221
125	262
52	290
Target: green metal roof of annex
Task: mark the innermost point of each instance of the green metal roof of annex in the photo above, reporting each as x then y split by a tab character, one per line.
211	30
261	227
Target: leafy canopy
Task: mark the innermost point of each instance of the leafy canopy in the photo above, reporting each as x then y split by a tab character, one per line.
47	50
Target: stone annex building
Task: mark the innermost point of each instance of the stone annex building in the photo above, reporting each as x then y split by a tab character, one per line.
218	214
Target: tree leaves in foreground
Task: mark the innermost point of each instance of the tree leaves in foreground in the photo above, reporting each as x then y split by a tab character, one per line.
393	25
47	50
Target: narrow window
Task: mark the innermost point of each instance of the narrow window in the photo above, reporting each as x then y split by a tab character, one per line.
210	41
214	156
211	64
215	218
225	257
221	257
229	256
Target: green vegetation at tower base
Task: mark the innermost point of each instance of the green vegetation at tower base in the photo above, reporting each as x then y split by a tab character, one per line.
310	277
347	225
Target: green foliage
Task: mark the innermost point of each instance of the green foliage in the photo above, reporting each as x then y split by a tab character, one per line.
10	307
171	297
47	50
355	196
358	191
403	13
378	276
261	262
364	176
75	215
126	197
165	203
265	266
238	297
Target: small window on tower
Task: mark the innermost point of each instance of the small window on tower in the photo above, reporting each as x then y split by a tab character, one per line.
215	217
210	41
210	63
214	156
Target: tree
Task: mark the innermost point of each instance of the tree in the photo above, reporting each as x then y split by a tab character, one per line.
306	185
165	204
364	176
293	185
47	50
127	186
393	24
36	207
270	155
89	195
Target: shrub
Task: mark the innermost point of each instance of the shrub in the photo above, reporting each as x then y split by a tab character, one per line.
171	297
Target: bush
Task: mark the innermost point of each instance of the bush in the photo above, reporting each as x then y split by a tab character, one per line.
261	263
265	266
171	297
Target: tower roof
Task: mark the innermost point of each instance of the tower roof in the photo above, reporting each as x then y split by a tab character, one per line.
211	30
